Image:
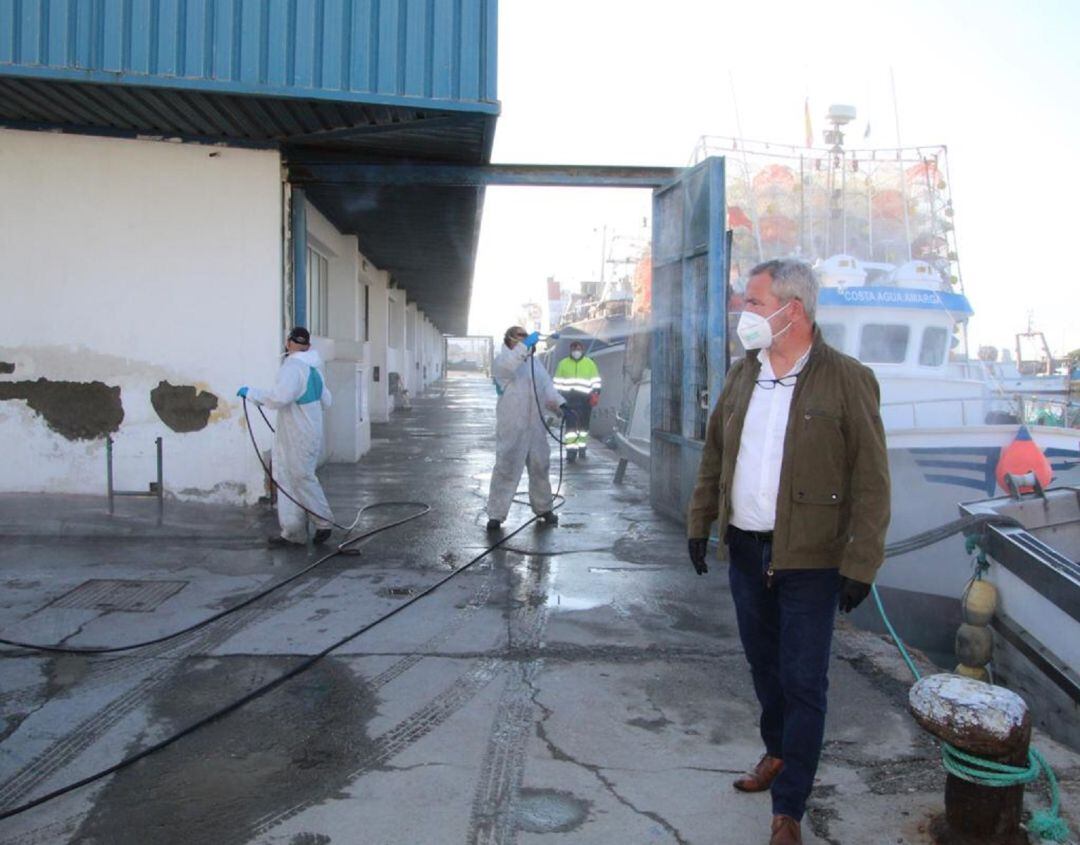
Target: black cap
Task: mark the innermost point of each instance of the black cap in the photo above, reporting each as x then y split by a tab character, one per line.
300	335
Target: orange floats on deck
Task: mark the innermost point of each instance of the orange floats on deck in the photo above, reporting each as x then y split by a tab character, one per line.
1021	457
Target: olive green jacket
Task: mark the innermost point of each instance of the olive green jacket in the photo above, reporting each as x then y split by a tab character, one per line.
832	507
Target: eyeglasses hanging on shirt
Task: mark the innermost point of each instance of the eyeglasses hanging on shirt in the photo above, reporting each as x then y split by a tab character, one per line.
771	383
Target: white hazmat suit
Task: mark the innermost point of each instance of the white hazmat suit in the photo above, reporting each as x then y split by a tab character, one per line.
520	437
298	397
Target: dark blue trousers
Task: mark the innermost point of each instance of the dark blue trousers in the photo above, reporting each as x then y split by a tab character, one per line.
786	632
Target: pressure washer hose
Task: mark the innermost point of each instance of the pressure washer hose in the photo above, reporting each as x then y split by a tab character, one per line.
345	547
251	434
558	438
292	673
259	691
254	597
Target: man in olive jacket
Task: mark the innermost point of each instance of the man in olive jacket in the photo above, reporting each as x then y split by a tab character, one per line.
795	474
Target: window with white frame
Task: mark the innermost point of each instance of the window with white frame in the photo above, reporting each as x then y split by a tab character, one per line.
935	341
365	334
318	292
884	344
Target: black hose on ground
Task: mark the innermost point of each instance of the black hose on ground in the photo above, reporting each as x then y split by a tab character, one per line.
256	693
254	597
251	434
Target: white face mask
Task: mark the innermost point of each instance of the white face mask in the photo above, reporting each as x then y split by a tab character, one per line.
576	354
755	332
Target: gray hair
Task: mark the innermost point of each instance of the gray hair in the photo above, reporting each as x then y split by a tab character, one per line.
792	279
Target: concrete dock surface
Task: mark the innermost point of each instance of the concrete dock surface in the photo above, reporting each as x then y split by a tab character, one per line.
580	684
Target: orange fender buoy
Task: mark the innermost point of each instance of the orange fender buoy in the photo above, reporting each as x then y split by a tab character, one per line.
1023	456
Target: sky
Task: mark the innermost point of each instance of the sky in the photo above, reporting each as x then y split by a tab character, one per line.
634	83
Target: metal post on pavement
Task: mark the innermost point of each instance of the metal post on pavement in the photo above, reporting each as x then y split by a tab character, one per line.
109	470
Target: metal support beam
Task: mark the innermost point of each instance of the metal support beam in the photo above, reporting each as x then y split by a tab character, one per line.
464	176
368	129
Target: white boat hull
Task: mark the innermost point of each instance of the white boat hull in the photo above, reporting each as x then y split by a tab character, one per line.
933	471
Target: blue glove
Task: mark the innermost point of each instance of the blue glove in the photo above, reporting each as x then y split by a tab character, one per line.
531	340
242	392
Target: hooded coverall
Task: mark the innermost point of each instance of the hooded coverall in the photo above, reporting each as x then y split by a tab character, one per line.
298	397
520	437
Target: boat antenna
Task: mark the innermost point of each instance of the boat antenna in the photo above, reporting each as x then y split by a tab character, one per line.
900	161
839	117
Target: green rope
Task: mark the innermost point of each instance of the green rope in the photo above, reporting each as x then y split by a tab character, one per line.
1046	824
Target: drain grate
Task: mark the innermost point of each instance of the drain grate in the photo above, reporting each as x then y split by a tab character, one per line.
110	594
396	592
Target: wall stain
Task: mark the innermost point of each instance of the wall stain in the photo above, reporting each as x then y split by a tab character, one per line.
6	367
181	407
73	409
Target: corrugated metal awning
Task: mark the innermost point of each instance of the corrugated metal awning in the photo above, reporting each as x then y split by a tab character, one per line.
368	80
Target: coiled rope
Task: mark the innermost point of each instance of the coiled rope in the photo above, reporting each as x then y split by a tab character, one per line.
1046	823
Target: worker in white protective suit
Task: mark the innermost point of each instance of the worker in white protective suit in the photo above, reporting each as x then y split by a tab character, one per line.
298	397
520	437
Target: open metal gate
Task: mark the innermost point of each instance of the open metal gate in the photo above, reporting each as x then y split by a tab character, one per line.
689	312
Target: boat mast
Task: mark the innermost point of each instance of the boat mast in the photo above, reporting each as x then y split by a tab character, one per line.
839	117
900	162
746	170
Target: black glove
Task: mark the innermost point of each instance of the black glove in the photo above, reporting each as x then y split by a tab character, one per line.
698	546
852	593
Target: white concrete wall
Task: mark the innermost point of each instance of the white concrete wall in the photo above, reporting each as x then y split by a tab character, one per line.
412	368
379	402
131	262
348	424
430	351
434	353
395	352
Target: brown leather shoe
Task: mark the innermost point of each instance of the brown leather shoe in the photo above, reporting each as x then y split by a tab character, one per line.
762	776
785	831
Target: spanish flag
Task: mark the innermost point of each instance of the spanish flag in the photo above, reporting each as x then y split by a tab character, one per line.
809	129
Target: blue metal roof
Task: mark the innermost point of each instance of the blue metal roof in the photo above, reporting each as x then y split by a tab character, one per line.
352	80
422	54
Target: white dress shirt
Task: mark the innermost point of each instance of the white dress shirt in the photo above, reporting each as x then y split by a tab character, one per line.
761	450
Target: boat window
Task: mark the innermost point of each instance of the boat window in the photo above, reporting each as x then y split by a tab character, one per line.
934	340
883	344
833	333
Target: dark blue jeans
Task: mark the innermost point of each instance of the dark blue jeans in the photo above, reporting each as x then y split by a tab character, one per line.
786	632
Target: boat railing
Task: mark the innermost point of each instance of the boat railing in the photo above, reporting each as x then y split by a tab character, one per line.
1045	410
966	415
1031	410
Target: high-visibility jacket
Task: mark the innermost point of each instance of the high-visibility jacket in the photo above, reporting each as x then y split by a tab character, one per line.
581	377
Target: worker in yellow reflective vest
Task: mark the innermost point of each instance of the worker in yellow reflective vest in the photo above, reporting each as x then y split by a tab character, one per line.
578	380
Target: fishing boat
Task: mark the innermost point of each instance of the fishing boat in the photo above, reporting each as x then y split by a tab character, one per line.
1034	565
878	225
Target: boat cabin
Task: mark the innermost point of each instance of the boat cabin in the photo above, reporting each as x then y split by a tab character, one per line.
902	321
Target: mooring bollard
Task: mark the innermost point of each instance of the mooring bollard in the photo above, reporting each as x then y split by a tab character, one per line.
992	723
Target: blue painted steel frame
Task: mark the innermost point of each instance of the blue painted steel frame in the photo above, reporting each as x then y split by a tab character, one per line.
718	281
299	250
701	190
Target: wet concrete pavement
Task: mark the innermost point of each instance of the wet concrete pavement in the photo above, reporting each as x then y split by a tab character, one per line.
578	685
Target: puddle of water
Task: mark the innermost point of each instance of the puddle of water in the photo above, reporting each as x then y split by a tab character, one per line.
561	601
549	811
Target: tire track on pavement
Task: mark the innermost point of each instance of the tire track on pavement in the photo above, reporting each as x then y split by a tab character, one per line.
493	819
65	750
